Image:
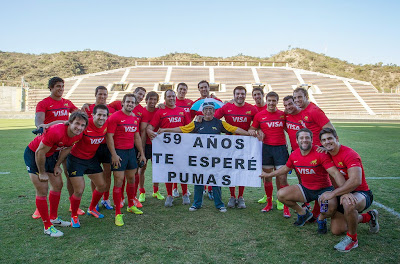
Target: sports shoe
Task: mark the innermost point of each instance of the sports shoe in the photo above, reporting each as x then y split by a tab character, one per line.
373	223
263	200
133	209
322	229
158	195
185	199
97	207
142	197
346	244
313	219
53	232
36	214
107	204
137	203
286	212
75	222
267	208
222	209
189	193
279	205
241	203
175	193
168	201
122	203
232	202
302	219
59	222
210	196
80	211
95	213
193	208
118	220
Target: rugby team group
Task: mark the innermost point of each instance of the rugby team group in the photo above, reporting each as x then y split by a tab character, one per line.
102	138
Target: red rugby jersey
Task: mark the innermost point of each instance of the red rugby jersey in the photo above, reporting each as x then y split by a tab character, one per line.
146	118
56	137
55	110
185	104
347	158
239	116
124	128
311	168
314	119
92	137
117	105
273	125
169	118
111	110
293	124
261	108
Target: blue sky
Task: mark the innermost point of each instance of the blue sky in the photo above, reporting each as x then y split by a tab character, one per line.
355	31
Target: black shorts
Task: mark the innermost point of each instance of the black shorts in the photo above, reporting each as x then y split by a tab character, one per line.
148	151
30	162
274	155
77	167
103	154
312	195
369	198
128	161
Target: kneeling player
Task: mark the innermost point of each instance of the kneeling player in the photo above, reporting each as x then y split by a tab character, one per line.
83	160
313	168
40	158
354	196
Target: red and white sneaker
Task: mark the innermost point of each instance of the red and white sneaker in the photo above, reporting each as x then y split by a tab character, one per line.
346	244
137	203
267	208
80	211
286	212
36	214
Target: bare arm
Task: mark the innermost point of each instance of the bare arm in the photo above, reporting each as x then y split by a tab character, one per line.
40	158
139	146
281	171
242	132
355	175
143	133
115	159
150	132
61	157
170	130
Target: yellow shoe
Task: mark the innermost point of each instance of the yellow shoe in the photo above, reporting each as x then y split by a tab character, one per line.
142	197
263	200
158	195
118	220
279	205
133	209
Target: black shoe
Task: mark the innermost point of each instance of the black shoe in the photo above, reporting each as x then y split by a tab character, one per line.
302	219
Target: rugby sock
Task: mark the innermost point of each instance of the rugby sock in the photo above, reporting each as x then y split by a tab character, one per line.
117	199
96	196
232	190
136	185
41	205
130	191
75	202
269	188
175	185
316	209
241	191
155	189
106	195
54	200
209	188
142	190
353	237
168	186
184	189
366	218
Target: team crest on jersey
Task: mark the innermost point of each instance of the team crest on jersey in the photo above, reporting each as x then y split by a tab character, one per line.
282	117
75	142
66	104
181	113
340	163
73	173
313	162
214	128
306	118
188	103
139	113
105	130
248	112
135	122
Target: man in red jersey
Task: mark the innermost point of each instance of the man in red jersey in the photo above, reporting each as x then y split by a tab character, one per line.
353	197
122	136
274	153
169	117
148	114
258	96
103	154
53	110
314	169
315	120
83	160
238	114
294	120
41	162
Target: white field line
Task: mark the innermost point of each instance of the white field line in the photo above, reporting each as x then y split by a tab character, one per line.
390	210
4	172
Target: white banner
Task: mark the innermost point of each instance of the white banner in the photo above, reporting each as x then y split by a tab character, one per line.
204	159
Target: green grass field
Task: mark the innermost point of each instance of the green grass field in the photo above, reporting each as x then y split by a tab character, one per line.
175	235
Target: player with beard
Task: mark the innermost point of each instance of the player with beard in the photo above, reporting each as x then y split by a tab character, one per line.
314	169
239	114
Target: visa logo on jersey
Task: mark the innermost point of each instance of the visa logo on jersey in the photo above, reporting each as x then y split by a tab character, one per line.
175	119
292	126
60	113
306	171
242	119
96	141
130	129
275	124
